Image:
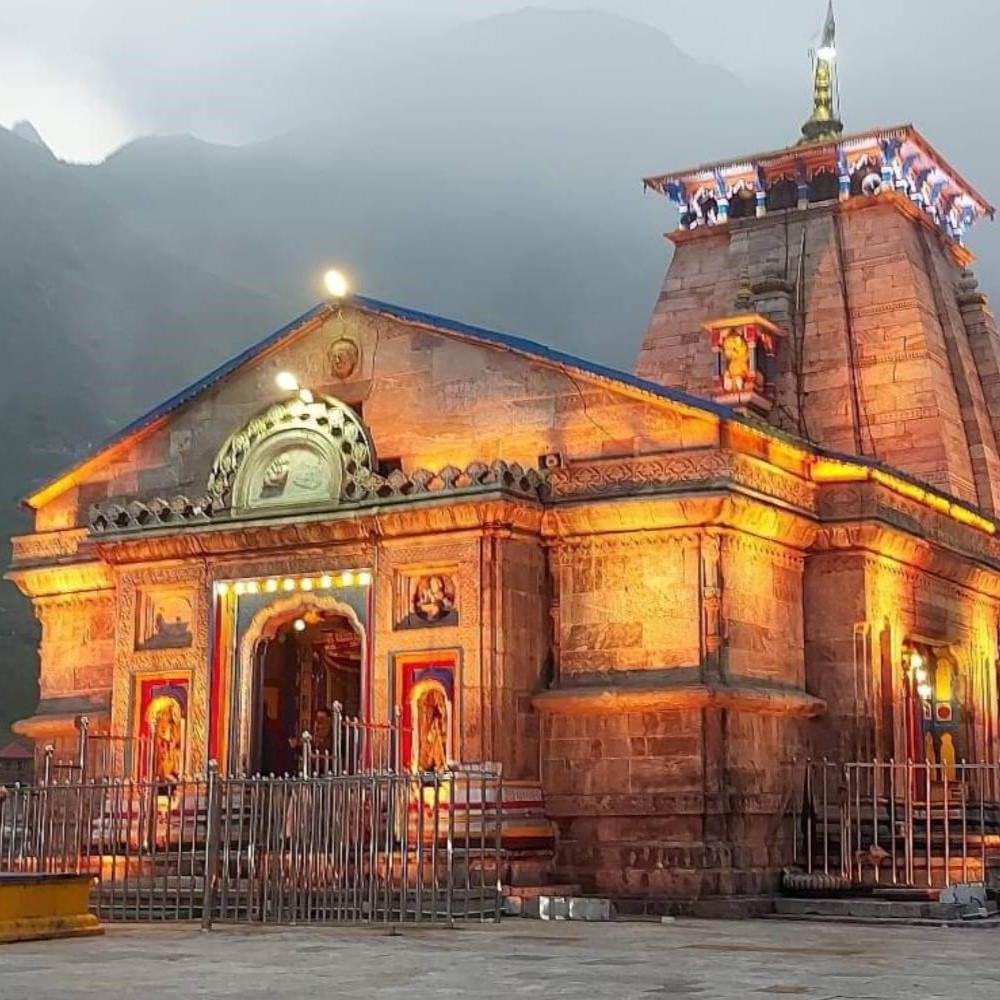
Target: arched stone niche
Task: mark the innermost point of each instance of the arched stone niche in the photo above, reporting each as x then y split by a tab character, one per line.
294	455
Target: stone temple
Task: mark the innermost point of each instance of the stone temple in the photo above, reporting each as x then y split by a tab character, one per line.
644	594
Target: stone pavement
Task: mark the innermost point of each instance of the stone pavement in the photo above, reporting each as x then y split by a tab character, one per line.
519	958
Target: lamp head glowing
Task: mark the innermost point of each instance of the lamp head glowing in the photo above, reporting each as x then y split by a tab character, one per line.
336	284
286	382
827	53
300	625
916	660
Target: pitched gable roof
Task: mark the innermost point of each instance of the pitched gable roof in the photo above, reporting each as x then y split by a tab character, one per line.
319	313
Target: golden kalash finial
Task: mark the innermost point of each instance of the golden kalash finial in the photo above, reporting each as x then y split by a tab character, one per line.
824	123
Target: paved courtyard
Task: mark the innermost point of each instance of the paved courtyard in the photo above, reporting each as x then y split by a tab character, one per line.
517	959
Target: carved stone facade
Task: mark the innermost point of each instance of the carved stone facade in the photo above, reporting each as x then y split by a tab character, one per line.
645	604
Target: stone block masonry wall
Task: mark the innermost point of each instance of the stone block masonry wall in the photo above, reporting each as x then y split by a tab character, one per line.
628	603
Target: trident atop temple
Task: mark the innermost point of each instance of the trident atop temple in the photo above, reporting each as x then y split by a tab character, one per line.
824	123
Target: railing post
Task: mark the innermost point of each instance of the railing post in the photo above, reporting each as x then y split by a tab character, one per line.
213	819
83	735
397	739
307	749
48	753
338	738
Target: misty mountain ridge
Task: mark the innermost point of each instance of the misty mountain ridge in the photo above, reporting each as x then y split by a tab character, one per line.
491	173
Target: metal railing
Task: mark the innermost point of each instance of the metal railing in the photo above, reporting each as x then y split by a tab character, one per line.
356	746
909	823
370	847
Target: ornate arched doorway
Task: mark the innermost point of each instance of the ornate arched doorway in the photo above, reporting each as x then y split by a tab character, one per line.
297	658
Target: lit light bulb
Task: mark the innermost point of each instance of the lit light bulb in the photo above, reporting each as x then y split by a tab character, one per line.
271	586
364	578
222	588
916	660
336	284
348	580
827	53
240	588
306	584
253	587
924	690
300	625
326	581
286	382
921	675
289	584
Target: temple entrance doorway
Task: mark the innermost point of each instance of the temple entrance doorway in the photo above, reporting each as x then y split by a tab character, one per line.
302	667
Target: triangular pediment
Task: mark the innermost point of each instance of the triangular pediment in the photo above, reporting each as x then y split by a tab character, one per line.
432	393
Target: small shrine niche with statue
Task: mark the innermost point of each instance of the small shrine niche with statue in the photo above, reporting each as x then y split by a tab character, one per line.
745	346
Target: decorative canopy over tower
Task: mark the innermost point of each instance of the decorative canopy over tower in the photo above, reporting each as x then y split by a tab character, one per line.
827	165
854	247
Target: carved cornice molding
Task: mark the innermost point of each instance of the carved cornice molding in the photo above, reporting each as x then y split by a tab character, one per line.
343	528
53	580
47	546
742	514
116	519
871	517
678	472
608	699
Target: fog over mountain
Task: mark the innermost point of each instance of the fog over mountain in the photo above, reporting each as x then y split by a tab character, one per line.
489	172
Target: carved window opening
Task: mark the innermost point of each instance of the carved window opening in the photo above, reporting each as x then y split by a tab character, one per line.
782	194
743	204
824	186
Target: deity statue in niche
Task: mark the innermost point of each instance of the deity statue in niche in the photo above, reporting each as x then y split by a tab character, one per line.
431	731
165	726
735	356
744	345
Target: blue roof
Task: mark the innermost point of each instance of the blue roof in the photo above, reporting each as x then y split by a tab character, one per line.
504	341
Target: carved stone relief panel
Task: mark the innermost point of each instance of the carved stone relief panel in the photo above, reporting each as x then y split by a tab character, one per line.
148	643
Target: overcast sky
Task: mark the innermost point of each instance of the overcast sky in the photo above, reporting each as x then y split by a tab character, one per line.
92	74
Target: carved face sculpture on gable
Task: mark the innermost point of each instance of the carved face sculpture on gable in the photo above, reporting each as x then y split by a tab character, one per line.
344	357
294	454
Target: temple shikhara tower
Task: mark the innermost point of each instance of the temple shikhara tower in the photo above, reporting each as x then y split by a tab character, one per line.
647	597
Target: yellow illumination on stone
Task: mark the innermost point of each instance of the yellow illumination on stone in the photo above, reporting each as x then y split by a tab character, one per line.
829	470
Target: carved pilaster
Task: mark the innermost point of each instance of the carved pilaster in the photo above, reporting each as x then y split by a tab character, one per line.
711	604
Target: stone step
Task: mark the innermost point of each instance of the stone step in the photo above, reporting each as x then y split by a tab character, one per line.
563	907
549	889
868	908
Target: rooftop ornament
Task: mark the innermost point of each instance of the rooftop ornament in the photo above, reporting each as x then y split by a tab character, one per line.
824	123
